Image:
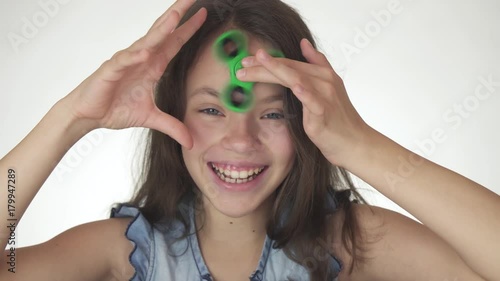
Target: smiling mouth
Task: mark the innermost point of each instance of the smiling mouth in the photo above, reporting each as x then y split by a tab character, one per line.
233	176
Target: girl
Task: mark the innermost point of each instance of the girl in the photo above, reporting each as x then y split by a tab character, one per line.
261	195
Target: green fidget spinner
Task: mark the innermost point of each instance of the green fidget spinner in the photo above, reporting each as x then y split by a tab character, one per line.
232	47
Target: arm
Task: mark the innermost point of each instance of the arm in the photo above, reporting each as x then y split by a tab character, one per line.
106	99
89	252
49	141
463	213
460	211
399	248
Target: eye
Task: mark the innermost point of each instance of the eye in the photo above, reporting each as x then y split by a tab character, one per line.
211	111
275	116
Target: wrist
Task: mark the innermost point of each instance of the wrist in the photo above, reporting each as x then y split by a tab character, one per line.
76	127
368	145
380	161
357	149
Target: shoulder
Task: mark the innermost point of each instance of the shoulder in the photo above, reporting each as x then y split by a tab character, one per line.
105	238
395	247
92	251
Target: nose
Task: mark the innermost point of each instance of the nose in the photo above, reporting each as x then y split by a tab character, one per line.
241	135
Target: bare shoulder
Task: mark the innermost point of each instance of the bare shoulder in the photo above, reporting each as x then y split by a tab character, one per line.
92	251
397	248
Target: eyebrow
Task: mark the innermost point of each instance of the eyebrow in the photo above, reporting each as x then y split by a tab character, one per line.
205	90
214	93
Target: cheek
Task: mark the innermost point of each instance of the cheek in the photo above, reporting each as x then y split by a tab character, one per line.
202	132
273	132
201	141
196	130
286	149
277	138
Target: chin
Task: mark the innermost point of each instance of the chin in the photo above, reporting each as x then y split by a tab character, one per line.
234	209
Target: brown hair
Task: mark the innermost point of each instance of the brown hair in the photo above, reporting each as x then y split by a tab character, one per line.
300	218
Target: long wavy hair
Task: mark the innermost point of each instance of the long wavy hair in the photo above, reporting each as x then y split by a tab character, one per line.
301	213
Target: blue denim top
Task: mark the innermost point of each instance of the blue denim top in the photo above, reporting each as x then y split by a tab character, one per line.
158	255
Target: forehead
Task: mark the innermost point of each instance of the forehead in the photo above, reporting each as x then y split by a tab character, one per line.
209	68
254	44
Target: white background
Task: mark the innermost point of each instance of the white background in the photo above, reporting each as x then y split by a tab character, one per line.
408	73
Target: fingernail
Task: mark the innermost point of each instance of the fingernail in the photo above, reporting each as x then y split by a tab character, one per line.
241	73
309	43
247	61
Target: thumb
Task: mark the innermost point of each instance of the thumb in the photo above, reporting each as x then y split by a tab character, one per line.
171	126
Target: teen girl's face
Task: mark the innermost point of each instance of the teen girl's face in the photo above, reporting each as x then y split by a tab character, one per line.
238	159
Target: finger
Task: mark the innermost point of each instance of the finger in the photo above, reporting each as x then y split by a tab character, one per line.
304	67
160	30
290	78
257	74
287	76
180	6
181	35
312	55
261	74
170	126
156	36
112	70
165	45
309	99
316	57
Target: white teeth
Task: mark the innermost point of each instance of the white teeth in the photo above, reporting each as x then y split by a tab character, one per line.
232	176
243	174
231	180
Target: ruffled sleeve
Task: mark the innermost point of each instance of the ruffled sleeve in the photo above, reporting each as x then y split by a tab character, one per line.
335	266
140	233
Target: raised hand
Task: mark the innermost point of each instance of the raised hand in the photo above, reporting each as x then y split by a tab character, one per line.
329	118
120	94
421	187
